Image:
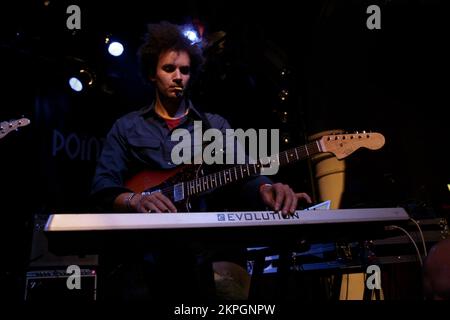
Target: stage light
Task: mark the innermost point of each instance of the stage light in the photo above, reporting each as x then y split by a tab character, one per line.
284	73
115	49
284	117
75	84
192	35
84	79
283	95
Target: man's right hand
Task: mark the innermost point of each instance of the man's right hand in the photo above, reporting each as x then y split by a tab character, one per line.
136	202
155	202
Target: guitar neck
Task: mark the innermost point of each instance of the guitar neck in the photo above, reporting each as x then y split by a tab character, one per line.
239	172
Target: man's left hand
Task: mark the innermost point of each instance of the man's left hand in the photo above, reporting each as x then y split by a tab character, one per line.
280	197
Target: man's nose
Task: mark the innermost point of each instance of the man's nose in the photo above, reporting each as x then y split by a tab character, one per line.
177	75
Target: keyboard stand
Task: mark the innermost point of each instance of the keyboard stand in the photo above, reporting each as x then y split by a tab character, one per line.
257	274
285	264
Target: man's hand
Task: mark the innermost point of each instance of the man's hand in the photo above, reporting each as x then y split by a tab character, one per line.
154	203
281	197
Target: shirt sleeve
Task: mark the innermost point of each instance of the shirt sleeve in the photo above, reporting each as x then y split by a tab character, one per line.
111	167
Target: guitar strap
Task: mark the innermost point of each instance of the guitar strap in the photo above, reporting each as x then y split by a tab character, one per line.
205	123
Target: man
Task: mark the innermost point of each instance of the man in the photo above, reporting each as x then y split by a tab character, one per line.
142	140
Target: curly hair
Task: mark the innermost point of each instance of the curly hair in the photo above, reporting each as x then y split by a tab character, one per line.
160	38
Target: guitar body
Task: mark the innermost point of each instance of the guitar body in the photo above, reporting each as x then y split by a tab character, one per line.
163	180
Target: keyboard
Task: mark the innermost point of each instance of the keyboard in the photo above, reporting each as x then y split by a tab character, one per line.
130	221
248	228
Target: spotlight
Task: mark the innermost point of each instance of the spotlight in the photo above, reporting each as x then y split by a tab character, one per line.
190	33
115	49
75	84
286	138
83	80
283	95
284	117
284	73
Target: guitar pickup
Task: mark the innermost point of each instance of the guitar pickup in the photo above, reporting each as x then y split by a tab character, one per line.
178	192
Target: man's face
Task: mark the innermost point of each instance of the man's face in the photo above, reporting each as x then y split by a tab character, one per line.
172	73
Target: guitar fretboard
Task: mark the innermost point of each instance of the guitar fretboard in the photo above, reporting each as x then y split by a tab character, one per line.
239	172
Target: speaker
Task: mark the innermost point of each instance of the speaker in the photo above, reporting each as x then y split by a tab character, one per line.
42	285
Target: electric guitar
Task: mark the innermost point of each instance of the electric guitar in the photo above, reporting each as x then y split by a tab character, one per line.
8	126
183	183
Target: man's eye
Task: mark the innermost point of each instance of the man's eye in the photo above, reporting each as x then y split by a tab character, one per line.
185	70
169	68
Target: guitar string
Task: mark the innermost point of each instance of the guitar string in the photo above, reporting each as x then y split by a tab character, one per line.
302	150
167	190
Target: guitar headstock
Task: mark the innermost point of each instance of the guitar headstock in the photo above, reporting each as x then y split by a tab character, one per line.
8	126
342	145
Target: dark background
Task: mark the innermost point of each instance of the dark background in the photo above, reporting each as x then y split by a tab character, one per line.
340	75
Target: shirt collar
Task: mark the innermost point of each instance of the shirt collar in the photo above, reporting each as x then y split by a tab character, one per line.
149	111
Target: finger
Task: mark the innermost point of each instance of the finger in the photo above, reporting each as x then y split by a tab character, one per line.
159	204
304	196
267	196
279	195
151	208
288	197
141	206
294	203
166	201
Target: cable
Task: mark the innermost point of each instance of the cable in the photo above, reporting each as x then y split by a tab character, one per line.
412	240
421	235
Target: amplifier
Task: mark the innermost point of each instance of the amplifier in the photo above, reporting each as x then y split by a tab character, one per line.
42	285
